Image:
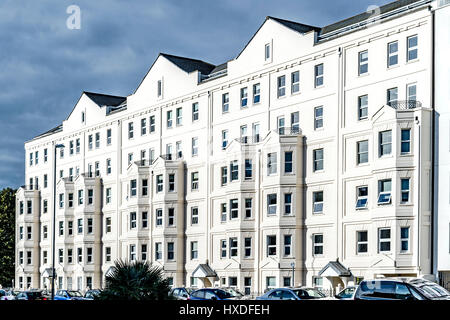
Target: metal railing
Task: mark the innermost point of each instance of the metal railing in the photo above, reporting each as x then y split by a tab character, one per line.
30	187
249	139
405	104
289	131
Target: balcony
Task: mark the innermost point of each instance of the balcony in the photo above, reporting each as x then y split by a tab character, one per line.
30	187
249	139
405	104
289	131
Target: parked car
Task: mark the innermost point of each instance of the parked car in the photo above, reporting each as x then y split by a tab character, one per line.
347	294
235	293
180	293
91	294
400	289
68	295
211	294
302	293
31	295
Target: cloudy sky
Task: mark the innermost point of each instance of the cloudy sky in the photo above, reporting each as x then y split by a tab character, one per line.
44	66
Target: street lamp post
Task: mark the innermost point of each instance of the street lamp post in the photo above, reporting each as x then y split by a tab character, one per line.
57	146
293	273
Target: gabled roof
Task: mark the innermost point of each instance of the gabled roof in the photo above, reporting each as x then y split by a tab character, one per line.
365	15
204	270
189	65
105	99
338	268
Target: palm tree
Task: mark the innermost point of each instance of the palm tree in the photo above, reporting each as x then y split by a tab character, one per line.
137	280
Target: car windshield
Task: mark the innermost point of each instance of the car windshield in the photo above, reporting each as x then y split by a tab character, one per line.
314	293
222	294
34	295
74	293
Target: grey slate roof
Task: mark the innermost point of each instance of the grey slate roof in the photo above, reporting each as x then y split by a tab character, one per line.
365	15
338	267
105	99
296	26
49	132
190	65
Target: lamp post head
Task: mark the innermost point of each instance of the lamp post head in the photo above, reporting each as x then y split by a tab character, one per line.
292	264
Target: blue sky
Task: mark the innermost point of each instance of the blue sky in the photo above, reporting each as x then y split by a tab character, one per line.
44	66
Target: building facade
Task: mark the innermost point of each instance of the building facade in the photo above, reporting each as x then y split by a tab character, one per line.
305	160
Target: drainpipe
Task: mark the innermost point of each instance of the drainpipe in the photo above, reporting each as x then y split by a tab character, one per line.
433	145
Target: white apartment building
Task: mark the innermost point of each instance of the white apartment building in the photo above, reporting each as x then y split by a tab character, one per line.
305	160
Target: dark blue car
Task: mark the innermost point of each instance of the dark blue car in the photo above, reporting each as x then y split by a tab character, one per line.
68	295
211	294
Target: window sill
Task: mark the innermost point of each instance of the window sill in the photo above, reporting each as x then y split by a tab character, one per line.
412	61
364	164
295	93
366	74
393	67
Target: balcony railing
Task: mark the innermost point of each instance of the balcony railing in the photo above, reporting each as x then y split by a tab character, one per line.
289	131
30	187
405	104
249	139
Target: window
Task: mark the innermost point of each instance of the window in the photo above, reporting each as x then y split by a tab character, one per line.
69	227
288	156
234	170
318	75
363	107
178	150
29	233
267	51
159	217
247	285
243	131
80	254
281	85
234	209
287	245
271	282
44	257
179	116
108	137
271	245
169	119
224	174
362	151
281	124
256	93
144	187
90	196
29	260
248	208
29	206
384	239
224	139
405	141
195	112
392	54
152	124
171	182
411	93
89	256
159	183
194	181
412	48
61	200
318	159
244	97
272	204
46	153
194	250
248	169
318	202
80	226
195	147
225	102
404	238
169	151
130	158
405	190
61	228
107	224
158	251
361	242
271	163
194	215
295	82
223	212
385	142
130	130
108	166
233	247
255	128
132	220
159	88
108	195
317	244
288	203
133	188
132	252
97	169
295	122
247	247
171	217
71	147
97	140
143	126
31	158
223	248
392	97
108	254
80	197
384	191
170	250
318	117
363	62
362	194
